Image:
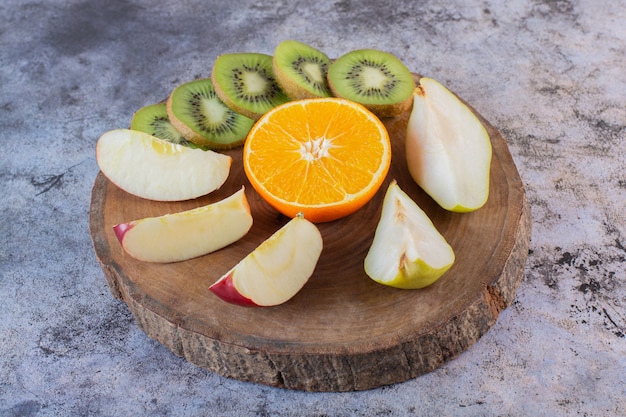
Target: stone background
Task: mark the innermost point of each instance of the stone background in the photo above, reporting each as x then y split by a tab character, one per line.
550	74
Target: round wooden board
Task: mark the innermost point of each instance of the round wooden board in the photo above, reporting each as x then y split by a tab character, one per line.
342	331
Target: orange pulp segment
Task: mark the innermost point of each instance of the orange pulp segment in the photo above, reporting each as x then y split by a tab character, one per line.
323	157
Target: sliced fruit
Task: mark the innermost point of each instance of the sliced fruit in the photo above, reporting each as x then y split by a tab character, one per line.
246	83
407	252
276	270
323	157
376	79
153	119
197	112
155	169
301	70
187	234
448	149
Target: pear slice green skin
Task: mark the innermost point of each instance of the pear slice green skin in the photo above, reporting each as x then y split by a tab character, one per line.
448	150
416	275
407	252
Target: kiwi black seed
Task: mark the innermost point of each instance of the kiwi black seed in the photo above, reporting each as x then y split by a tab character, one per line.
301	70
153	119
376	79
246	83
202	118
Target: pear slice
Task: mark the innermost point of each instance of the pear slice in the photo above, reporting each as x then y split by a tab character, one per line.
407	251
448	149
187	234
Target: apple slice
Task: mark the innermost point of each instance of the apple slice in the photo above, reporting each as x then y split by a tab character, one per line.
276	270
187	234
155	169
407	251
448	150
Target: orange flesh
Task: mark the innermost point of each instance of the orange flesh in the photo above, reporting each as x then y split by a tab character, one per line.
323	157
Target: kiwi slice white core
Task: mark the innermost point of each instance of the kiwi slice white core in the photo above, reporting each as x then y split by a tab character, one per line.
253	83
314	72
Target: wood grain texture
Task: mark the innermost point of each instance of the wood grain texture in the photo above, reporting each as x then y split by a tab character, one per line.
342	331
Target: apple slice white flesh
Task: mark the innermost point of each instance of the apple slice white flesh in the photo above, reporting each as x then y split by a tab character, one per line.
187	234
276	270
407	251
448	149
155	169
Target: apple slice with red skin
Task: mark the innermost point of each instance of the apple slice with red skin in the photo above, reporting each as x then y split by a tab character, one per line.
276	270
225	289
187	234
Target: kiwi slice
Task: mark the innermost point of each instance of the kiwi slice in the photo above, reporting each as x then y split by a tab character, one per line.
246	83
153	119
202	118
376	79
301	70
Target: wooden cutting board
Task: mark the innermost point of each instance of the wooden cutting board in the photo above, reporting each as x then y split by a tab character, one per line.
342	331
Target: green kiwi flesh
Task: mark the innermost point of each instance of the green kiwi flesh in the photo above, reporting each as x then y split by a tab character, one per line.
376	79
246	83
153	119
202	118
301	70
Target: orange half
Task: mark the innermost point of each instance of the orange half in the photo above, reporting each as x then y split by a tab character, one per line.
323	157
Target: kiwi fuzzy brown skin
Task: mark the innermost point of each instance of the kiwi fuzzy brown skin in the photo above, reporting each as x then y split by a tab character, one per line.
238	64
230	134
289	58
339	73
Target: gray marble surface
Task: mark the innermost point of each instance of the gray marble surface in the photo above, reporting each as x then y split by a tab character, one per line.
549	74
